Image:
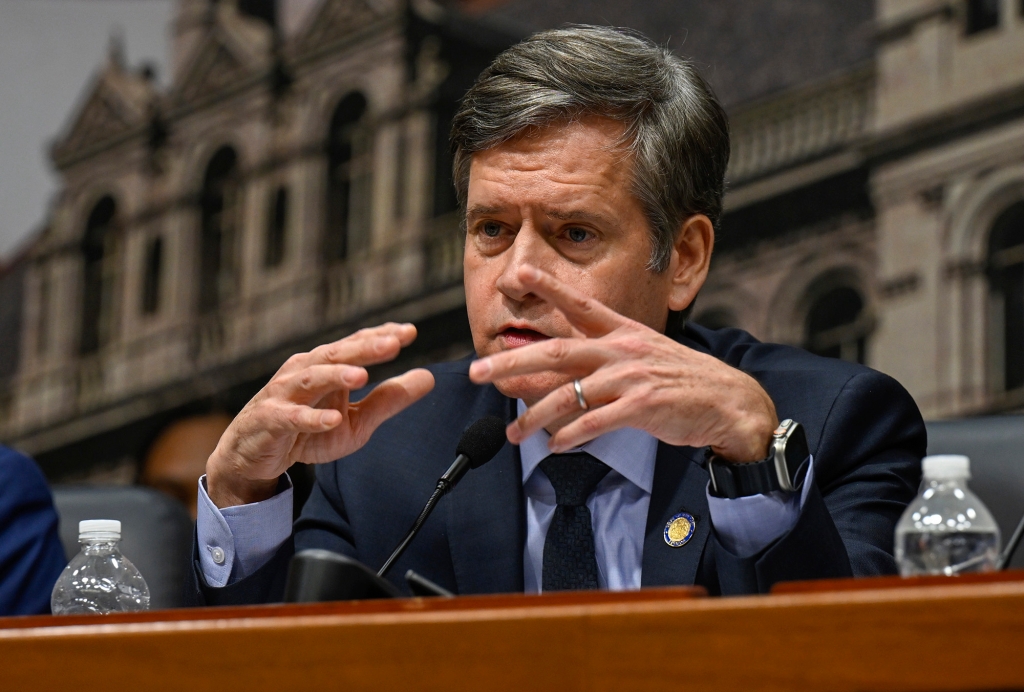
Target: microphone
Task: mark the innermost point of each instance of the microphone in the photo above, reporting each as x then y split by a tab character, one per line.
478	445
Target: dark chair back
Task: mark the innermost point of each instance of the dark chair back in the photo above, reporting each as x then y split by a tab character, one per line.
995	445
156	532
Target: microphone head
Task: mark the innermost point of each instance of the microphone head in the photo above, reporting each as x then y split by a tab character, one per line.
482	440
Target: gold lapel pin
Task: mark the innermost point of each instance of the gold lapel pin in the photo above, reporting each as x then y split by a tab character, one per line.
679	529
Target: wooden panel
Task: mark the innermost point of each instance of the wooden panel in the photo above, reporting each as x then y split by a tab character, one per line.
399	605
894	582
952	637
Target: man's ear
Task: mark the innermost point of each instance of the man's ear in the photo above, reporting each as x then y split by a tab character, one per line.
691	257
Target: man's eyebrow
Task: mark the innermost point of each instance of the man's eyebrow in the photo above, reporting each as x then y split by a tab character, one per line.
482	210
577	215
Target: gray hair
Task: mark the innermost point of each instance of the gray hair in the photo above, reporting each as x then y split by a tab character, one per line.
676	131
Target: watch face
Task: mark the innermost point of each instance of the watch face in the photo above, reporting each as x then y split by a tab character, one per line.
796	450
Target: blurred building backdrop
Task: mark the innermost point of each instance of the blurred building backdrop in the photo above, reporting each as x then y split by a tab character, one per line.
291	184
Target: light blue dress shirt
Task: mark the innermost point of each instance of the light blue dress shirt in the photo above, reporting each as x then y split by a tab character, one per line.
235	542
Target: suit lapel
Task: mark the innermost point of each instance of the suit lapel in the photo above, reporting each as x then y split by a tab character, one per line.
487	522
679	486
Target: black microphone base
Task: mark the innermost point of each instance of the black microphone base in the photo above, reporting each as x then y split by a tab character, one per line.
320	575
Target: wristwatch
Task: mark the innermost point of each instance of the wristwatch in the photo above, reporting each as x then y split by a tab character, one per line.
786	454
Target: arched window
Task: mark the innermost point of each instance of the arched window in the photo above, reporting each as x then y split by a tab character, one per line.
99	250
981	15
1006	291
43	318
219	209
277	228
348	180
716	318
151	276
837	326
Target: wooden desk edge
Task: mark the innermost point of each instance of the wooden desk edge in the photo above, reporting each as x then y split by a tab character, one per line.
525	609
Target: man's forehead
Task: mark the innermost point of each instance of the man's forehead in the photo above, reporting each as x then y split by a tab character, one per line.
583	153
600	132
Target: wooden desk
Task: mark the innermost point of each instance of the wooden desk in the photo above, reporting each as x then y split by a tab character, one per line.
954	635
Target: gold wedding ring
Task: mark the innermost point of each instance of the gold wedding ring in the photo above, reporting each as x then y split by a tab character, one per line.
579	394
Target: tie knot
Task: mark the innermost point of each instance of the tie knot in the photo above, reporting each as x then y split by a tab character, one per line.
573	476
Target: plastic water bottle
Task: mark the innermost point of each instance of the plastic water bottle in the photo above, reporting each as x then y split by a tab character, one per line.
99	579
946	529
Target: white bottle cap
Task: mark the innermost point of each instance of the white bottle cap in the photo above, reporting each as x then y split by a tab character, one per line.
104	527
946	466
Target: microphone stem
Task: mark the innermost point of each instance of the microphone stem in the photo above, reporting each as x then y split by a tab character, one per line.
443	486
1011	547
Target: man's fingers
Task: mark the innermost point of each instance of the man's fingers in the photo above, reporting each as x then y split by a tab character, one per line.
591	425
387	399
562	404
365	347
589	315
313	383
296	418
574	357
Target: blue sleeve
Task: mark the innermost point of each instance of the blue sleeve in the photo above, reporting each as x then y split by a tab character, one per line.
235	542
747	525
31	554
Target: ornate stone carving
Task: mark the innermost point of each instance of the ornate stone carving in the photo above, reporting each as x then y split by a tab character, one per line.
116	107
101	119
215	68
334	20
799	126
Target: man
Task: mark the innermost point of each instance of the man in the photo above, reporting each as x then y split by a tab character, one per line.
590	163
31	555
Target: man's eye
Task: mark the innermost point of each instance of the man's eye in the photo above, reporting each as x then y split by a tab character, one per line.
491	229
577	235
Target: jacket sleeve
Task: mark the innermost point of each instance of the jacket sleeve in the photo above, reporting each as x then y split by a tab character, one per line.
31	554
867	469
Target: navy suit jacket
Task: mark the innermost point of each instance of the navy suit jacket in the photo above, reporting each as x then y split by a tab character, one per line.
31	554
863	428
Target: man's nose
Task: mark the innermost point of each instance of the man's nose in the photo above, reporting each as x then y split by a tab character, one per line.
529	247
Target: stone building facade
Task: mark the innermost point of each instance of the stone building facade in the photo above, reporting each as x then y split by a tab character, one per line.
913	263
291	184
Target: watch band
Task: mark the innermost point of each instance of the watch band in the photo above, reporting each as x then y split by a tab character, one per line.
740	480
779	471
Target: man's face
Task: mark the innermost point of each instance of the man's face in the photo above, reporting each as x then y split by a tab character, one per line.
559	199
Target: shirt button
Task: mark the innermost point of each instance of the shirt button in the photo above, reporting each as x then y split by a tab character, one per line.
218	555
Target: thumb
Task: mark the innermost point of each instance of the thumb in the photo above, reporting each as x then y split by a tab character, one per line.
387	399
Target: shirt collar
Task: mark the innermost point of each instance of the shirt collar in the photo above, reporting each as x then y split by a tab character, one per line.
628	451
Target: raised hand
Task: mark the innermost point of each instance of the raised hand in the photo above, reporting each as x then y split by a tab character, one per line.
303	414
631	376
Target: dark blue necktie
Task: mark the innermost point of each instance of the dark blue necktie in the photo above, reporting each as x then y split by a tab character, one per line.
569	559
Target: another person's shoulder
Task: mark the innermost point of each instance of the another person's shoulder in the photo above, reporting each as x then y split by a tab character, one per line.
21	479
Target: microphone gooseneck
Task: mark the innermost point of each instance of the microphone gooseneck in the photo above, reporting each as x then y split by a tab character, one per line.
478	445
1011	547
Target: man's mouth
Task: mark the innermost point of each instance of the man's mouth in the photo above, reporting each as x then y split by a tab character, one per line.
513	337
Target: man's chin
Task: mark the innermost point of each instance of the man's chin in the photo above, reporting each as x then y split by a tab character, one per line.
531	388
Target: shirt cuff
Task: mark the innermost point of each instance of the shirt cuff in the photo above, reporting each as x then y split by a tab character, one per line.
747	525
234	542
